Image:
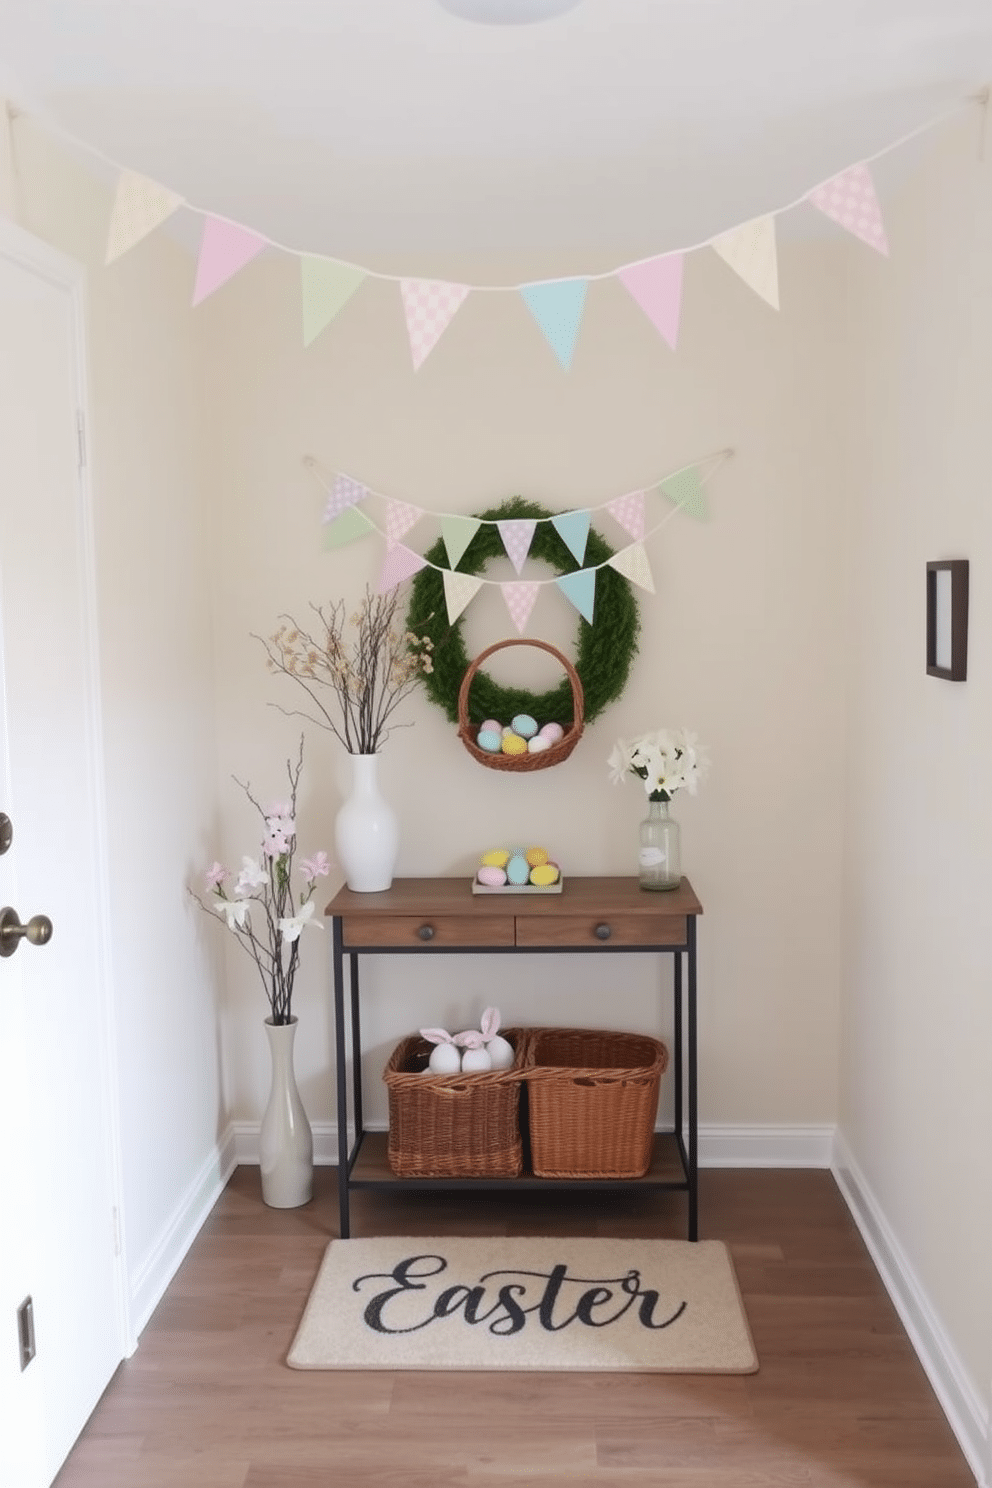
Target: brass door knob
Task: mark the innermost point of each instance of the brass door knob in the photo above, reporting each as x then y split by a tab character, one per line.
38	931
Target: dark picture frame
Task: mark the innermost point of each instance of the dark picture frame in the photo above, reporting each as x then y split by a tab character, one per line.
947	619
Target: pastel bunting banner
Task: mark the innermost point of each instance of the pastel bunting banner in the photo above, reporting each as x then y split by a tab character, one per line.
400	517
400	563
751	252
325	287
629	512
459	590
850	200
347	528
344	492
686	490
458	532
573	529
557	307
633	564
656	285
225	249
139	207
430	305
519	600
580	588
517	537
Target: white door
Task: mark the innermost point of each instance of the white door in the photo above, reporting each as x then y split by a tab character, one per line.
58	1136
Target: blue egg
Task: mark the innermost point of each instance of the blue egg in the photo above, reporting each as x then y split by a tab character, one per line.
489	740
525	726
518	870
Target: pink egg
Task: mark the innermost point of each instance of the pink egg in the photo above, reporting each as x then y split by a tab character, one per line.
553	732
491	723
493	878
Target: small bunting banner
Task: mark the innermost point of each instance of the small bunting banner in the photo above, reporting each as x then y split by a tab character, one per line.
850	200
400	563
580	588
573	529
633	564
225	249
557	307
344	492
325	287
519	600
459	590
347	528
750	251
656	285
430	305
517	537
458	532
139	207
629	512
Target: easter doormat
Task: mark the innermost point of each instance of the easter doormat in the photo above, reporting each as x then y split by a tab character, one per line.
505	1302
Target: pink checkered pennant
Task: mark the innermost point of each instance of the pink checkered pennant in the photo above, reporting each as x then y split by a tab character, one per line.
519	599
517	537
400	517
400	563
345	492
629	512
850	200
430	306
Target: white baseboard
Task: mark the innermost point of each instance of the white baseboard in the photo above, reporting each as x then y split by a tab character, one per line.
160	1265
965	1411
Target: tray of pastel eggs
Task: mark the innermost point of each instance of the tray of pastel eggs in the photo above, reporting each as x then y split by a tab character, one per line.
517	870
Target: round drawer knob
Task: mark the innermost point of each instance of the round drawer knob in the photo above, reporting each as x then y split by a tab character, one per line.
603	932
426	932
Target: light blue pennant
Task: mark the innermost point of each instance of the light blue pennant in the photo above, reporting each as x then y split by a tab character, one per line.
580	588
686	490
573	529
557	307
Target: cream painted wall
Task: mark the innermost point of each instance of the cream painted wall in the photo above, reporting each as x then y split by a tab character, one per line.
916	1093
153	571
743	641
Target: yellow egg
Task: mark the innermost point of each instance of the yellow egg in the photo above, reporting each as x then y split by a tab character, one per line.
536	856
498	858
544	875
513	744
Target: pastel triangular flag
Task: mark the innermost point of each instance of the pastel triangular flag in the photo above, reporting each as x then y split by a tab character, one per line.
580	588
224	249
573	529
430	306
325	286
400	517
348	527
557	307
458	590
400	563
629	512
519	600
633	563
686	490
517	537
656	285
344	492
850	200
457	532
139	207
750	251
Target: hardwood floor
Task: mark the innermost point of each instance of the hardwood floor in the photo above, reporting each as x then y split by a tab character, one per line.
840	1400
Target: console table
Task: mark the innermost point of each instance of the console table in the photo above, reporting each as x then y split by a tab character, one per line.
441	916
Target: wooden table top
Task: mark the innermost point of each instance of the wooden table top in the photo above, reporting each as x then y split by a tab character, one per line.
454	896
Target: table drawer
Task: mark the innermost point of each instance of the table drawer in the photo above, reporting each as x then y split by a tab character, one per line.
602	930
427	932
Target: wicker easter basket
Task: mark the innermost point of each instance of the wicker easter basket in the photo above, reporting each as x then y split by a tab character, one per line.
558	753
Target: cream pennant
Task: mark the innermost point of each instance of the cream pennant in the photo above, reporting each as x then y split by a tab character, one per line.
633	563
519	599
629	512
400	517
430	306
750	251
458	532
459	590
139	207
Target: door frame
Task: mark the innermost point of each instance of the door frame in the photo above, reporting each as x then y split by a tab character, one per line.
38	257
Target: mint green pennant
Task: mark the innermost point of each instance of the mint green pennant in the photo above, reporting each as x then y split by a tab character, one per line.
573	529
348	527
686	490
557	307
580	588
326	285
457	532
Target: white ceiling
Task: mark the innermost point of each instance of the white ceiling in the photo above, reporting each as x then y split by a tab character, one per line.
394	133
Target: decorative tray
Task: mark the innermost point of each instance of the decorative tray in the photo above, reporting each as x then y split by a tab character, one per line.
527	888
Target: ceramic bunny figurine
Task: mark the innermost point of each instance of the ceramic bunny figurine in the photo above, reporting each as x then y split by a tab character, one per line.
501	1051
445	1057
476	1059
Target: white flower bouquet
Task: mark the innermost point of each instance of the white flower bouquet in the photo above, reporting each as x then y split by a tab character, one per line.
666	761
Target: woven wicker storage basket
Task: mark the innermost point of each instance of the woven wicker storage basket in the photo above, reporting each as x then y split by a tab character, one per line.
592	1101
453	1126
521	763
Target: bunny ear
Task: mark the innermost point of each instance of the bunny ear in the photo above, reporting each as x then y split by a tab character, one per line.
470	1039
436	1035
490	1023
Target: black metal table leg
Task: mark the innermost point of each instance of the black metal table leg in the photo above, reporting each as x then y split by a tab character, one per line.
693	1126
342	1089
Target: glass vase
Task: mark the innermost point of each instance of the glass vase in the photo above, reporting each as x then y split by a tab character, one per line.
659	860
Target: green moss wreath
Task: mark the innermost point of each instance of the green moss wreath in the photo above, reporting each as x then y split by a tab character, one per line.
604	650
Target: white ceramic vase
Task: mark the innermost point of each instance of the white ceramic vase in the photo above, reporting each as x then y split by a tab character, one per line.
285	1141
366	832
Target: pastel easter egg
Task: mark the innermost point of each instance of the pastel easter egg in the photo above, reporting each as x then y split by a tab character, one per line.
518	870
544	875
497	857
492	725
552	732
536	856
506	729
524	725
489	740
513	744
538	744
491	876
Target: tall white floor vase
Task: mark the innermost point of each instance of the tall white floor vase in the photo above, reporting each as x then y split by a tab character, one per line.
366	833
285	1141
